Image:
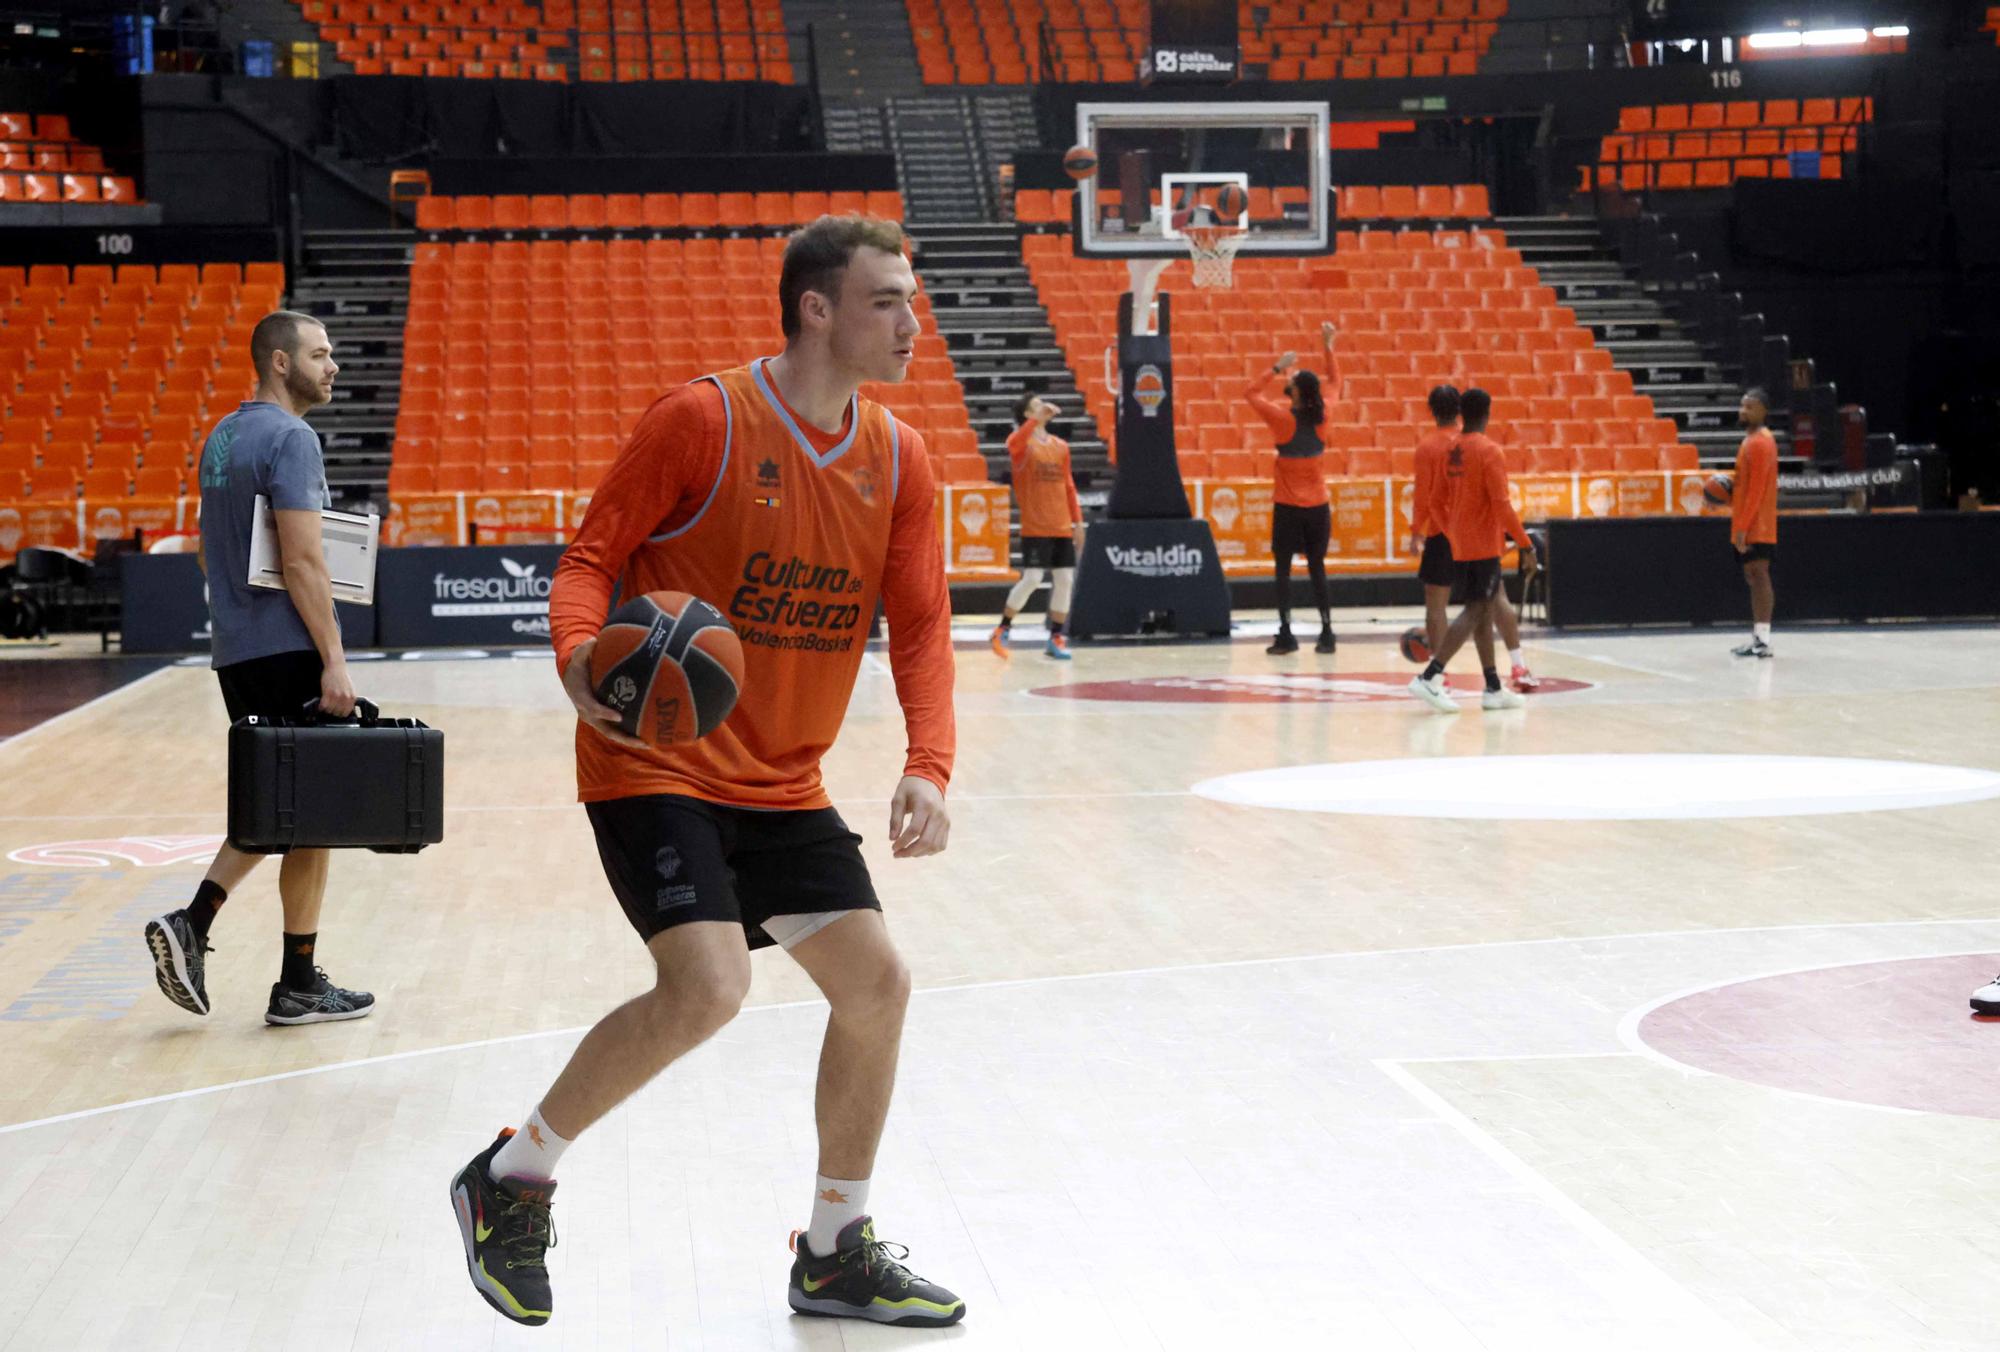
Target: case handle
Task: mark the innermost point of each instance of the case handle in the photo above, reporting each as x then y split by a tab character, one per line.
364	712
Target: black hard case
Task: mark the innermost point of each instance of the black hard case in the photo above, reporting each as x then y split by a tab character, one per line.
310	783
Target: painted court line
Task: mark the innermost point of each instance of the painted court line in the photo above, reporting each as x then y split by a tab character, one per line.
67	714
578	1031
1667	1292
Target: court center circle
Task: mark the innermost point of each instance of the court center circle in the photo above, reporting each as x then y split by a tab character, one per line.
1639	787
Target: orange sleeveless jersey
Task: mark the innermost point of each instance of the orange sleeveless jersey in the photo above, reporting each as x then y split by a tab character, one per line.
1042	484
1753	508
724	493
1296	480
1430	512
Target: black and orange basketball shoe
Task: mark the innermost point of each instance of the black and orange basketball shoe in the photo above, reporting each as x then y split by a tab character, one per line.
864	1279
508	1231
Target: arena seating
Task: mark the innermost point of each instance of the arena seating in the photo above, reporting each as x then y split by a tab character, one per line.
1415	308
1369	39
1711	145
999	41
700	211
41	161
1357	202
113	377
523	371
553	39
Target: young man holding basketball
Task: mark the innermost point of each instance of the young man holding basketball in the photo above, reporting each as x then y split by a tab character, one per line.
1430	513
1301	512
1753	518
1051	522
1482	518
739	488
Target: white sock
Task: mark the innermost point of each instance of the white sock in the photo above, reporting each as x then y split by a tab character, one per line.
1514	656
836	1202
1762	632
531	1152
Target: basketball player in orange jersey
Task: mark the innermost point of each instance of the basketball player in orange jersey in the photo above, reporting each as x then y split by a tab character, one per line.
1753	518
1301	513
775	492
1051	522
1430	512
1482	518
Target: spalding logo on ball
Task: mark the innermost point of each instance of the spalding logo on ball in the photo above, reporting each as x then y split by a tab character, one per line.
670	665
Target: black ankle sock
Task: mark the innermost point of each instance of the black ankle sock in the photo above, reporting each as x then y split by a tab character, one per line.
1006	621
208	899
298	971
1434	670
1055	628
1492	678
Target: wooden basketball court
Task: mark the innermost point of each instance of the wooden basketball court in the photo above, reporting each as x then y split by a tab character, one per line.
1515	1029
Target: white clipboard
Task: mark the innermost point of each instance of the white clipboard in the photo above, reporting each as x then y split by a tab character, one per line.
349	540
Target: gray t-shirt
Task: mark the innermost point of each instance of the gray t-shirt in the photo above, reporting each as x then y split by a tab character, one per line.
258	449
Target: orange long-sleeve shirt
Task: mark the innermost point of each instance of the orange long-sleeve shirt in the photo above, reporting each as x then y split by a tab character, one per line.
1430	513
1297	480
1482	516
723	492
1753	509
1043	485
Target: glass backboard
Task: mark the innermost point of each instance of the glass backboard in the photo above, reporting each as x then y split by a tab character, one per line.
1161	166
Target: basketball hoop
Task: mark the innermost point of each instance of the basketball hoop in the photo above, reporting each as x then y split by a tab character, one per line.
1213	250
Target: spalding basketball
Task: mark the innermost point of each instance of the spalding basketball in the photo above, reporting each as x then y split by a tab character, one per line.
1718	490
1416	647
1231	203
1080	162
670	664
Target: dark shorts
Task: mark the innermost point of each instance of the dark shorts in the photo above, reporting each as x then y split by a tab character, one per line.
1301	530
1437	569
1048	551
1765	552
672	859
1475	580
278	686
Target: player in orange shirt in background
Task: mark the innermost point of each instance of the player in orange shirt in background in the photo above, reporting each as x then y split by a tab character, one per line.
1051	522
1482	517
779	495
1430	513
1301	512
1753	518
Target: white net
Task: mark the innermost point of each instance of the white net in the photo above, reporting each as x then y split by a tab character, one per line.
1213	250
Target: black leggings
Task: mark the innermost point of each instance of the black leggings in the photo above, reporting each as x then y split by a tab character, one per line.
1301	530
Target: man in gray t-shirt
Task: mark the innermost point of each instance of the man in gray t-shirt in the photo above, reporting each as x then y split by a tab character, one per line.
274	651
260	450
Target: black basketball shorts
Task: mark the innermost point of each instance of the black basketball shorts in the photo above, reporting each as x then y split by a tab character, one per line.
1048	551
1475	580
671	859
1436	569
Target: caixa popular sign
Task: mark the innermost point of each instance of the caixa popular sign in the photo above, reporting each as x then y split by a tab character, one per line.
1190	63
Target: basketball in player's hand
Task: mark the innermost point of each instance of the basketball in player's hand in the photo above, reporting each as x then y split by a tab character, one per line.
670	665
1416	648
1718	490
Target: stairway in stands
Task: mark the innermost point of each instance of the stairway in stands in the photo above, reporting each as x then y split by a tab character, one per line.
1000	340
864	51
1686	383
358	283
949	149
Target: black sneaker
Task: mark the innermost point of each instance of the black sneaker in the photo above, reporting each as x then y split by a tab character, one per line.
1325	644
863	1280
321	1003
508	1231
178	960
1282	644
1756	647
